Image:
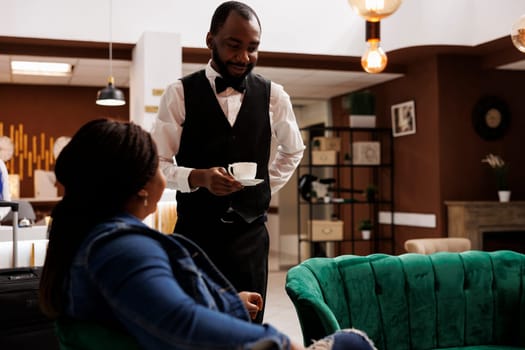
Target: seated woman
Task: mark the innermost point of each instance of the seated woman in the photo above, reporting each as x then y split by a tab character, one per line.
106	266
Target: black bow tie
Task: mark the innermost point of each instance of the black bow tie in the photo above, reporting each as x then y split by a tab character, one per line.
221	84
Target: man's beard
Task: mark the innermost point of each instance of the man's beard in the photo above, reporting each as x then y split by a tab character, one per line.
223	69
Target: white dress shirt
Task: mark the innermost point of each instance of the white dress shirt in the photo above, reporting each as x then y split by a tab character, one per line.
167	131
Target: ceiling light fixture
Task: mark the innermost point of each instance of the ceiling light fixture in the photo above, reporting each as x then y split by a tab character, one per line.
110	95
374	59
517	34
374	10
57	69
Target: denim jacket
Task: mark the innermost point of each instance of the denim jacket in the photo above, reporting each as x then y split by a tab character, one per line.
160	288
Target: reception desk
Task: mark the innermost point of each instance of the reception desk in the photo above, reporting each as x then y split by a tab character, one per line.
31	244
34	232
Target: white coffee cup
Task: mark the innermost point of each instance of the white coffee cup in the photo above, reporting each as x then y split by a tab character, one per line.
243	170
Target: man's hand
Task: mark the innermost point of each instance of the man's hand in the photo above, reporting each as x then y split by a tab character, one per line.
253	302
216	180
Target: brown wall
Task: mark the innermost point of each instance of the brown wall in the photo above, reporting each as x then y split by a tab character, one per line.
442	161
47	112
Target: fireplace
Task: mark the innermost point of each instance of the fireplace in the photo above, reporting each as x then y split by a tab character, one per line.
489	225
501	240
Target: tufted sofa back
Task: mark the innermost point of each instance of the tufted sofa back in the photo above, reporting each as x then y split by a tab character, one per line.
414	301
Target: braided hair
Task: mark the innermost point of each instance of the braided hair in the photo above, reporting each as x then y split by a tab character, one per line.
103	166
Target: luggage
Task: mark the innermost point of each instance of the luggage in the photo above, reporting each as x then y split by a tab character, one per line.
14	210
22	324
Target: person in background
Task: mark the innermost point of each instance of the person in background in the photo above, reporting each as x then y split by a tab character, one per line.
5	193
221	115
104	265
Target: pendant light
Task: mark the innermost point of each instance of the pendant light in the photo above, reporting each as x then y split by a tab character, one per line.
518	34
110	95
374	59
374	10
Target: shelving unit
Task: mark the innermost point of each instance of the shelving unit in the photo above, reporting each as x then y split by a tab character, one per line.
363	157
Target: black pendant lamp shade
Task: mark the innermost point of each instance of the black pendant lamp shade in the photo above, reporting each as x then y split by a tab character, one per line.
110	95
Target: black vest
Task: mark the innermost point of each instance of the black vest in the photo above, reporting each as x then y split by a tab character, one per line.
208	140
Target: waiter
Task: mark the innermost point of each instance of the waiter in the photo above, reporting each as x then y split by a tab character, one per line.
221	115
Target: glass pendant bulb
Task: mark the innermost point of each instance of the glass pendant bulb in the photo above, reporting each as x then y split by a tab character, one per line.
374	10
374	59
517	34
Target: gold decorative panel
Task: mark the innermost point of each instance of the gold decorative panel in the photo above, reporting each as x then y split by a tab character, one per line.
31	152
157	92
151	109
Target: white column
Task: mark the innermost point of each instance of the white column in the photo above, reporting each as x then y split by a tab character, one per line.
157	62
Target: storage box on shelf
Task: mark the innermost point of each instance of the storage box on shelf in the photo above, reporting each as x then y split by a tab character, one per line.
360	159
325	230
324	157
366	153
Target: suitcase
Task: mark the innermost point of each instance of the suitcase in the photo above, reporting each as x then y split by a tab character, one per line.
14	209
22	324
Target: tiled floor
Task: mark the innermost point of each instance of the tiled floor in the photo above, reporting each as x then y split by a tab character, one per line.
280	311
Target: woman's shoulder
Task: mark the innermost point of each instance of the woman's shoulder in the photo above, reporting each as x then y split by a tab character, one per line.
118	224
122	230
127	245
125	232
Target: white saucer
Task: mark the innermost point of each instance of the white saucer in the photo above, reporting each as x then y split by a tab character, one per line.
250	182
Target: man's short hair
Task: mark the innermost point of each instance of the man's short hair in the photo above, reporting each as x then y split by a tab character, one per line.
223	11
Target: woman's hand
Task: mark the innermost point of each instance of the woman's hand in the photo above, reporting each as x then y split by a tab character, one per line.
253	302
296	346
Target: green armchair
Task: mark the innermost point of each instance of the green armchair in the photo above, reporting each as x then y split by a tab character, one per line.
468	300
85	335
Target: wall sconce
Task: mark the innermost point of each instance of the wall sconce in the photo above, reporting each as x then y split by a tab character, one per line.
374	59
517	34
110	95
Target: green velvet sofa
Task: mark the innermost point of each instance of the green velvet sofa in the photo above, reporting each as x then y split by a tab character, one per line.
468	300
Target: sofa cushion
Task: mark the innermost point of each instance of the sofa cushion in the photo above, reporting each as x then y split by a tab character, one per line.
433	245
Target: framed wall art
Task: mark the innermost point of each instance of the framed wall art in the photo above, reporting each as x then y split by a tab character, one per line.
404	118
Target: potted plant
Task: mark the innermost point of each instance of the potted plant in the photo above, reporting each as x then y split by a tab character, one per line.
500	169
316	145
365	226
370	193
347	159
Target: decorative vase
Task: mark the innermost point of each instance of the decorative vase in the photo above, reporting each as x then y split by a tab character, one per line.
365	234
504	196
